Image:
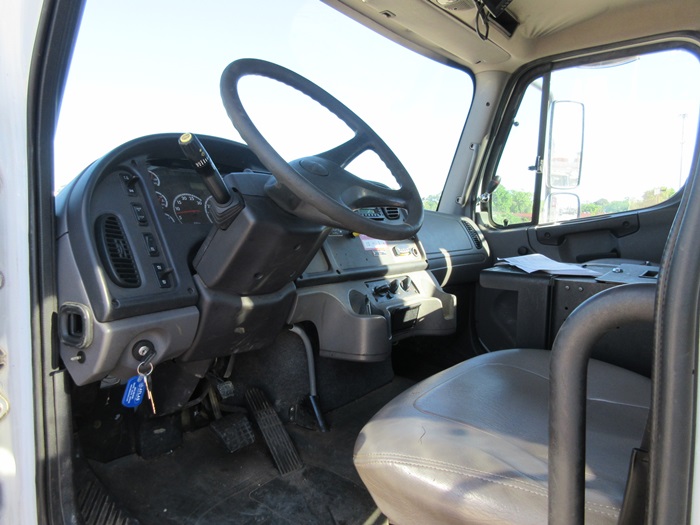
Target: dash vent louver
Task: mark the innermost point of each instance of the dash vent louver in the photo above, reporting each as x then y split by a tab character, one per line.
392	213
115	252
474	235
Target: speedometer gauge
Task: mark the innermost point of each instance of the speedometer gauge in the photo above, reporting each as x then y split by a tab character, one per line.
189	209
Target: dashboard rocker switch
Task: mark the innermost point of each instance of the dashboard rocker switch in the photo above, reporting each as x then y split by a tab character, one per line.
151	244
163	275
140	214
129	180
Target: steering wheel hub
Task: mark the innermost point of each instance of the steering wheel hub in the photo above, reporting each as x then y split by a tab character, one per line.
314	167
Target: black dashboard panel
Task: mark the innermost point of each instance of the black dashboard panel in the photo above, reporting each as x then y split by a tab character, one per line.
156	206
140	260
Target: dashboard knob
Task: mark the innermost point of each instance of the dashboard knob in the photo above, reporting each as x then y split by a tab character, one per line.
381	289
394	286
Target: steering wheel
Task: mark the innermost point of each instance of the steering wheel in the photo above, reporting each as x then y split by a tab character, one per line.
321	188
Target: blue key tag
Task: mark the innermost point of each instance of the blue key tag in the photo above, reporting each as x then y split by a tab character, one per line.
133	394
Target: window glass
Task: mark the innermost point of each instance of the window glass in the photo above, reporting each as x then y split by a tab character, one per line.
151	67
620	137
512	200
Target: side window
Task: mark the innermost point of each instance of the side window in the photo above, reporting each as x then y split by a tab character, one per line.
512	202
619	136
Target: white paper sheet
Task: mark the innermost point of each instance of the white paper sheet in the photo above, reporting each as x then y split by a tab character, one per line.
539	263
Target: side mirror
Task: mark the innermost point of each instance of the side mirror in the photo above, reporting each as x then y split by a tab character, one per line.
561	207
565	144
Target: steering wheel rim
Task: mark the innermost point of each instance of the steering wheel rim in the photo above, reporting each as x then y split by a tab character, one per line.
321	181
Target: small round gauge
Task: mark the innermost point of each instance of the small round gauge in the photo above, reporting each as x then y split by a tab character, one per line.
189	209
170	217
208	208
155	179
162	200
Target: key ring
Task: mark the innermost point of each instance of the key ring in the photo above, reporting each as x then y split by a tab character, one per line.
144	374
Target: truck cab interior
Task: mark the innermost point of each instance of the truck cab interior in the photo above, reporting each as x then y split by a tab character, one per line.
300	262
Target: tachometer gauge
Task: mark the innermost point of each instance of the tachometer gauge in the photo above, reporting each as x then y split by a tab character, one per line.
189	209
162	200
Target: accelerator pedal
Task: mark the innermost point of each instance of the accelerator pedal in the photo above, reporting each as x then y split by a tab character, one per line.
235	431
276	437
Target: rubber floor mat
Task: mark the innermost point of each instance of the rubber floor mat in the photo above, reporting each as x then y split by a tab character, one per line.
202	483
316	496
96	506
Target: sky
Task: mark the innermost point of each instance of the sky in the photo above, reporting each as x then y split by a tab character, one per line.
151	66
143	67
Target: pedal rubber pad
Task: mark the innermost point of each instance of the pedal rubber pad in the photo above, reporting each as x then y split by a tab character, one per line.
234	430
276	437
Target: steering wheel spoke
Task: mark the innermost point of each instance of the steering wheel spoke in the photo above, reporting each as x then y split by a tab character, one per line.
345	153
321	182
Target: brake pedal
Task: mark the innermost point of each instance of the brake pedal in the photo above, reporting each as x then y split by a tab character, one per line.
234	430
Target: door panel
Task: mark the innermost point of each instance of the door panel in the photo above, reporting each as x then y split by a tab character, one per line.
638	235
642	239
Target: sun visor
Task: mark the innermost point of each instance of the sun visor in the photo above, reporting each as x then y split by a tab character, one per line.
418	21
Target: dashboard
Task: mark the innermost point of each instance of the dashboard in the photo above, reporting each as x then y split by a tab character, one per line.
146	267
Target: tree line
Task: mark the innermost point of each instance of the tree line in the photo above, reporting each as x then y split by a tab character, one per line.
515	206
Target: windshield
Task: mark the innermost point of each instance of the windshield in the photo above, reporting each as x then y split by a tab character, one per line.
151	67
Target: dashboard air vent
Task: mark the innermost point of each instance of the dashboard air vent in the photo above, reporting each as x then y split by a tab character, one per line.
473	234
392	213
115	252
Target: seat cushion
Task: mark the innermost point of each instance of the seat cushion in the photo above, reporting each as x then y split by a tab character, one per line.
469	445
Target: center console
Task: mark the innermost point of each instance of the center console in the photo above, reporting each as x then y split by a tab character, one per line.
387	295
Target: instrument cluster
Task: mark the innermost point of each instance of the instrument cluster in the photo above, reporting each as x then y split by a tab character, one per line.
183	197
